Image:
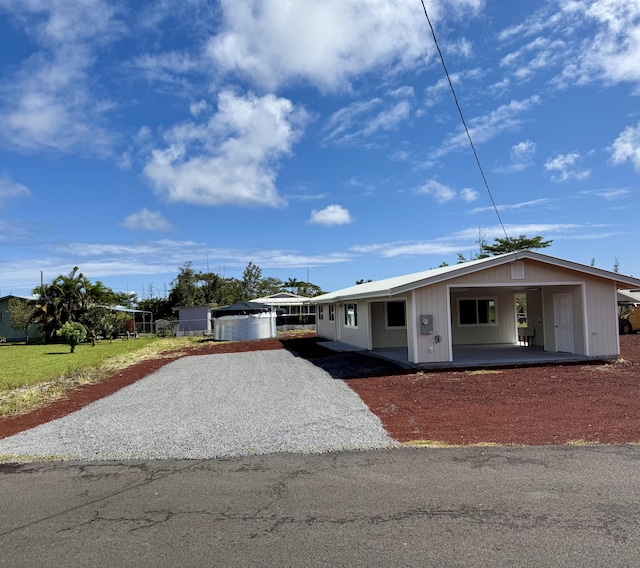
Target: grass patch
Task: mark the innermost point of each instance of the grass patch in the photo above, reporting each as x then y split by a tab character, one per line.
484	372
32	375
583	443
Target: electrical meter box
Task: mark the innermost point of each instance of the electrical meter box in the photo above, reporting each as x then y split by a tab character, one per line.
426	324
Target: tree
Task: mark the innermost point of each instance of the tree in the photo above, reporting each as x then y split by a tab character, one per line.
515	244
21	313
185	291
292	285
72	333
269	286
363	281
251	278
101	321
66	299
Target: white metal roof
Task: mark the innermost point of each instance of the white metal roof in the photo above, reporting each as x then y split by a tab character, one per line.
402	284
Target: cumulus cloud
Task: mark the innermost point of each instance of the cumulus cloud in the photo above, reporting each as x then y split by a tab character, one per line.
565	167
230	159
443	193
627	147
330	215
147	221
469	195
10	189
326	43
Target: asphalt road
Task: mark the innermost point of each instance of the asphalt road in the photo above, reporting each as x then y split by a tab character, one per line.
497	507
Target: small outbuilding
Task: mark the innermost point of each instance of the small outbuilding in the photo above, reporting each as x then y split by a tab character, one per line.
244	320
448	315
194	320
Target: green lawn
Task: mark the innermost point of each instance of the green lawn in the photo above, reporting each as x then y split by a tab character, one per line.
26	365
34	375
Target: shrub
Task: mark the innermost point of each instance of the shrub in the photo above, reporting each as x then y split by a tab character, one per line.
72	333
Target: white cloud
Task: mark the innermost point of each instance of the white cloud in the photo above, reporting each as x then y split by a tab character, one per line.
627	147
443	193
466	240
147	220
565	167
330	215
609	194
515	206
486	127
469	194
359	122
521	157
232	158
324	43
440	192
10	189
48	103
588	40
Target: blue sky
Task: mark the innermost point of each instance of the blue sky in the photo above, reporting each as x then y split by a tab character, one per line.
314	139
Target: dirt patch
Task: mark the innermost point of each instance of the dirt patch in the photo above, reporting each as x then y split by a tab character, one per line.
530	406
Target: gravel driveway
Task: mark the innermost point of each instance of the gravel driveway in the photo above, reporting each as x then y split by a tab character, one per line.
212	406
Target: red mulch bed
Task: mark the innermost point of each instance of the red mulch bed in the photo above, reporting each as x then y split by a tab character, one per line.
531	406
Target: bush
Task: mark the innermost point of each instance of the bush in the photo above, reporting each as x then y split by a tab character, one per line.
72	333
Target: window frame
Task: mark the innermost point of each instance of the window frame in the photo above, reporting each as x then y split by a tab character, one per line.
320	312
332	312
355	315
477	301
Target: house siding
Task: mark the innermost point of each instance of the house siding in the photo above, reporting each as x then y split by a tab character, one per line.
325	327
503	332
432	300
358	336
383	336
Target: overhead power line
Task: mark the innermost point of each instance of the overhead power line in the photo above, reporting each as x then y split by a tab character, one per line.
466	129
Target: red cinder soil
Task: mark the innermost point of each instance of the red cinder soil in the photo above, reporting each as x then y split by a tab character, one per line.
530	406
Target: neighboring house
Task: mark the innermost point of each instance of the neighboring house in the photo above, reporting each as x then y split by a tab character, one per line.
294	312
6	331
432	316
194	321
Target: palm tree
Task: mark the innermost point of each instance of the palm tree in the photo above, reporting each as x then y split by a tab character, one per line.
66	299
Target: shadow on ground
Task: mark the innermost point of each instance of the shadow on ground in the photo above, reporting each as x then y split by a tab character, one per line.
341	365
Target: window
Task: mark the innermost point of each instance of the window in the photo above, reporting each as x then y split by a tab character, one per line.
481	311
332	312
351	315
320	312
1	320
396	315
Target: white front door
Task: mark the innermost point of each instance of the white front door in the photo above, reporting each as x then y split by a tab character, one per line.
563	321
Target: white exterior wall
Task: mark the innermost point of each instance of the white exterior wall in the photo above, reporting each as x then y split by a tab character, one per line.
358	336
434	301
602	318
325	327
